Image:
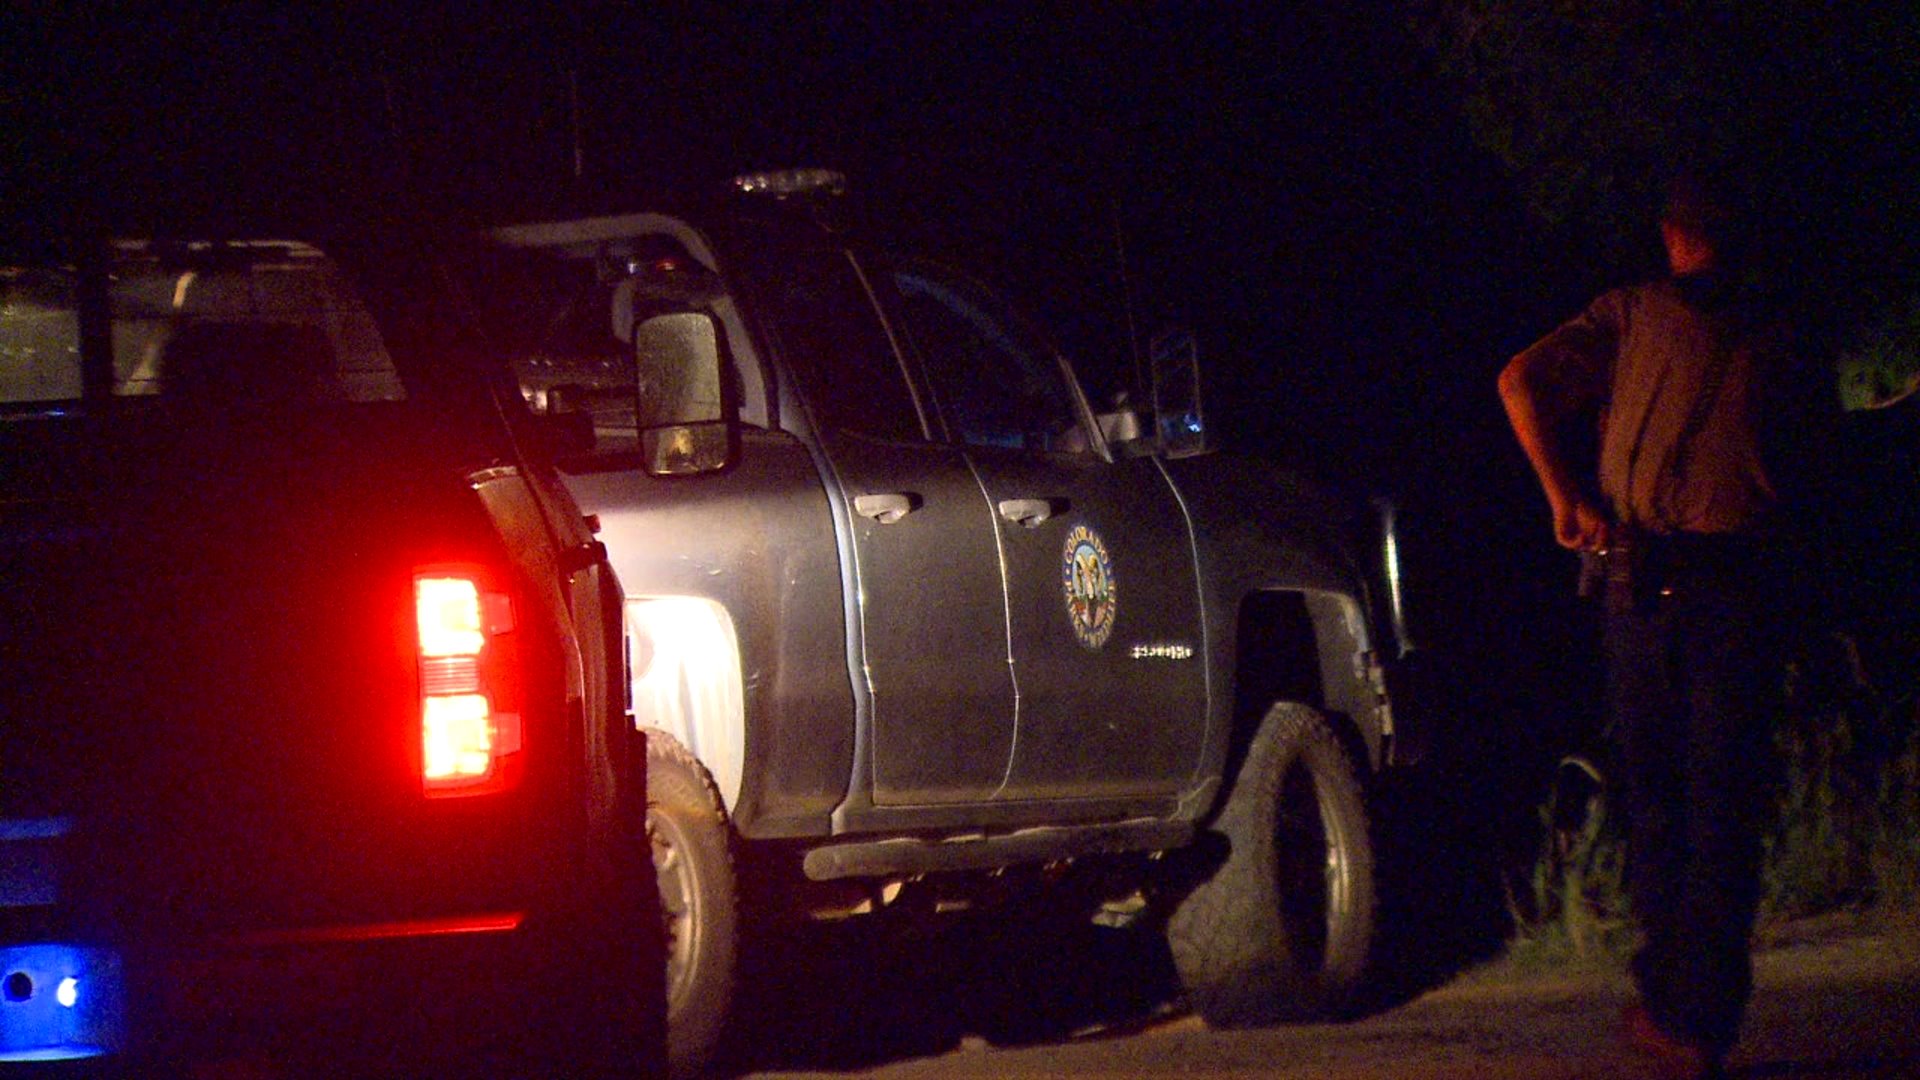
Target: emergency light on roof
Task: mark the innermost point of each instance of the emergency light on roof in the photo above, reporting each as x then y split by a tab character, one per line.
783	183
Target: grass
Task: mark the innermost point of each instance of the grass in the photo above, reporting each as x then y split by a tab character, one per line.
1882	364
1848	830
1572	914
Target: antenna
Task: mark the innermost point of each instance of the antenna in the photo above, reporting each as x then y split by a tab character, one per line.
1126	289
393	110
573	112
396	136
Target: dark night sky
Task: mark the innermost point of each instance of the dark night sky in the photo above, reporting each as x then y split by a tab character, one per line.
1295	183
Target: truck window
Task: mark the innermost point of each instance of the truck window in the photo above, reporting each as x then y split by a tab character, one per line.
998	383
566	314
215	324
555	314
39	336
836	347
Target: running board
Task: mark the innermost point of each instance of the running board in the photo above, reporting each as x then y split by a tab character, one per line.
978	851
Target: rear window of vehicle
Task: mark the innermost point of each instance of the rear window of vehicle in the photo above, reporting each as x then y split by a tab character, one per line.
222	324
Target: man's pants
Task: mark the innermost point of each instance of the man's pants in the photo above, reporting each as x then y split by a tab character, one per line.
1690	681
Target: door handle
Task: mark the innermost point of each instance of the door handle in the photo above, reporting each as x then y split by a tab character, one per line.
885	507
1027	513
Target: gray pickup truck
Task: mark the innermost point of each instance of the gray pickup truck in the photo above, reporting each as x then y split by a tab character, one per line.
904	611
313	748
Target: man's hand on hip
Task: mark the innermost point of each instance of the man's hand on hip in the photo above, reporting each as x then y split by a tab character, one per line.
1582	526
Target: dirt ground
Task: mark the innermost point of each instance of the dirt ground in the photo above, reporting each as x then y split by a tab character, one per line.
1837	999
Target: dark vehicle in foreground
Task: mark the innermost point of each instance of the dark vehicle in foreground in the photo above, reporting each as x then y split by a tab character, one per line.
911	623
313	748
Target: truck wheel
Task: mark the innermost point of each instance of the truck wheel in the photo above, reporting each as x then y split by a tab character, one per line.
693	859
1283	927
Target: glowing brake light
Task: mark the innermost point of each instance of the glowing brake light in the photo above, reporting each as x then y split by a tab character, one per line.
449	613
468	741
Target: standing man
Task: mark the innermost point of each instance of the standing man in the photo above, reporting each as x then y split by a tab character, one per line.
1685	379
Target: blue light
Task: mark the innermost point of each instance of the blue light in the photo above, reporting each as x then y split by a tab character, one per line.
46	1017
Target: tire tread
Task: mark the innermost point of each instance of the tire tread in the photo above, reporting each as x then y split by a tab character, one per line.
1227	935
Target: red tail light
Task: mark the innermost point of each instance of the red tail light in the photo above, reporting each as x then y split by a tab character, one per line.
470	738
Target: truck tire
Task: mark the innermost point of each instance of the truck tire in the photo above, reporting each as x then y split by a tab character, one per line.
1283	928
693	859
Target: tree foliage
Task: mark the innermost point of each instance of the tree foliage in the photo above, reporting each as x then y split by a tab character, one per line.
1807	105
1591	105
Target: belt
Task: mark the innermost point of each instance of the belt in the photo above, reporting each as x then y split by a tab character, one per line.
1641	566
1685	554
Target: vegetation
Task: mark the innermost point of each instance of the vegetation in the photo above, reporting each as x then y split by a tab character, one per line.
1848	830
1587	105
1590	106
1846	833
1802	105
1881	365
1573	912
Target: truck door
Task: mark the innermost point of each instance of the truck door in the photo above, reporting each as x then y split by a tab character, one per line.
930	615
1103	601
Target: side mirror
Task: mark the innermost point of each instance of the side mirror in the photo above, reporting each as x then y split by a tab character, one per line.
687	449
1177	418
683	401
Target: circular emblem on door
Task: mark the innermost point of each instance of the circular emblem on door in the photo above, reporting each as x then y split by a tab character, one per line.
1086	573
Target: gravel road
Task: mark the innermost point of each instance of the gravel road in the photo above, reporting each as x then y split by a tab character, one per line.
1837	1000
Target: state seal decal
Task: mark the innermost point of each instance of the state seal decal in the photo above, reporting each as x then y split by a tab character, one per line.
1086	574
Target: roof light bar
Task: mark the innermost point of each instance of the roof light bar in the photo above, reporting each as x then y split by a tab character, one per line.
784	183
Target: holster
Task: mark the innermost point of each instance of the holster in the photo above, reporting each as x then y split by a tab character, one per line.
1617	575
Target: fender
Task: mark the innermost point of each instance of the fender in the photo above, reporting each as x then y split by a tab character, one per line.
684	657
1278	575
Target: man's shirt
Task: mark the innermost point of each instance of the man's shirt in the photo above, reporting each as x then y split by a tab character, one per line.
1676	372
